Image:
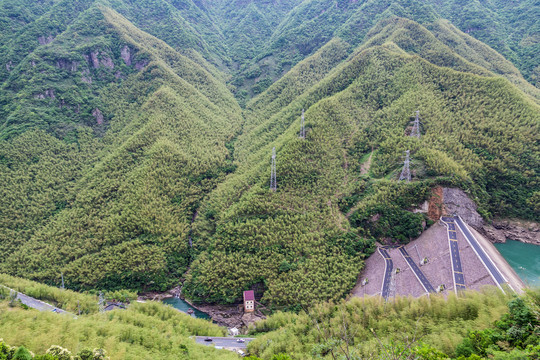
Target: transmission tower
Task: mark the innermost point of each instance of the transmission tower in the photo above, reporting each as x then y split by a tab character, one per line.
415	132
101	303
406	172
273	179
302	127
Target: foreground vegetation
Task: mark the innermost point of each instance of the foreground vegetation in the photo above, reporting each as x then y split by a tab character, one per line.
55	352
143	331
474	326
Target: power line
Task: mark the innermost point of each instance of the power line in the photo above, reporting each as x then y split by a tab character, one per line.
302	127
101	303
415	132
273	178
406	172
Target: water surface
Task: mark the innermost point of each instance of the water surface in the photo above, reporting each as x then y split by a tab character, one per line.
524	259
183	306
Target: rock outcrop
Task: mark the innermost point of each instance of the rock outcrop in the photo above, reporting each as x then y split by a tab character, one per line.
126	55
98	115
49	93
44	40
139	65
456	201
524	231
67	65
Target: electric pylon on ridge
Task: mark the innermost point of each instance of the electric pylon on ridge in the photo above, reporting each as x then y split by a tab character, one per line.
302	127
415	132
101	303
406	172
273	178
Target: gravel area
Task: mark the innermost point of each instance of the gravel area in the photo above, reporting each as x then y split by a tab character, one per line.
433	244
476	274
406	282
374	271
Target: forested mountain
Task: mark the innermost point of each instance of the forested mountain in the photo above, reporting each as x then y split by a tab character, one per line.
136	136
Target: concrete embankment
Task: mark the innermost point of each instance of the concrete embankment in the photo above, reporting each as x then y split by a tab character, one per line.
433	245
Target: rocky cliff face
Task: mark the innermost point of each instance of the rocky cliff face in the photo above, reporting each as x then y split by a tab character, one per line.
524	231
456	201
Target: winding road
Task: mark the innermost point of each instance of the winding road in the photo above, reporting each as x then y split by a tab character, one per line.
486	260
389	265
225	342
37	304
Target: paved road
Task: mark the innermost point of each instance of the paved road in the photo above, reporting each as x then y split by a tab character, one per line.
497	276
385	292
457	269
37	304
226	342
419	274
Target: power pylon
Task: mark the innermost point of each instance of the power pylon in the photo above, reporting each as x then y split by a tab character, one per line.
415	132
273	178
101	303
302	127
406	172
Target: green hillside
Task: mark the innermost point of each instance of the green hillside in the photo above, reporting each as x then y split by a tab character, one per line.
147	174
511	30
348	113
136	137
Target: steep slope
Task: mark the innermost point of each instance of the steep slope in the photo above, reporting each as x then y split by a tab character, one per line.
479	53
126	222
511	28
312	23
304	248
246	25
15	14
185	25
39	29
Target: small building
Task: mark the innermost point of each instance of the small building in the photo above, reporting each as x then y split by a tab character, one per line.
234	331
249	301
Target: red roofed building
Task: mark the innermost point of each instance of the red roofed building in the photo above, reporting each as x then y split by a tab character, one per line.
249	301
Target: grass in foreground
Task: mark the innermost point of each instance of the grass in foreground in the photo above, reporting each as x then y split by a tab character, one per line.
143	331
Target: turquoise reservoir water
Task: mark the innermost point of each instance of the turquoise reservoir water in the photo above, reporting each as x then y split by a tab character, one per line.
524	258
184	306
